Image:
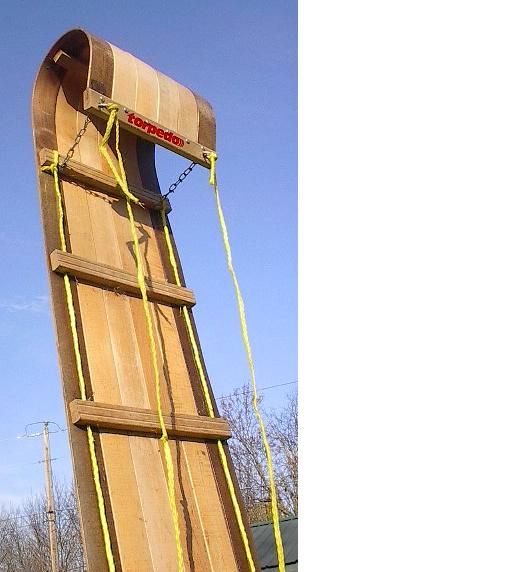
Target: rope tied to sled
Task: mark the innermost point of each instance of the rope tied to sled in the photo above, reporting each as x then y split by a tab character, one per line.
207	396
53	169
245	337
212	157
120	176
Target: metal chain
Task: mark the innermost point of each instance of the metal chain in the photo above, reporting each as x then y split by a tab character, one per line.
180	179
79	136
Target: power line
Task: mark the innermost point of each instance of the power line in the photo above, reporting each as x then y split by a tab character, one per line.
25	436
259	389
45	429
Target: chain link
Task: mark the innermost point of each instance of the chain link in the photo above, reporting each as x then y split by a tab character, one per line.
180	179
79	136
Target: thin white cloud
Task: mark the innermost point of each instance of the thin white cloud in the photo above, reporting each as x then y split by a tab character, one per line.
34	305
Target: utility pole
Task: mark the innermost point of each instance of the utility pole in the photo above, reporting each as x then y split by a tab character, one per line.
50	502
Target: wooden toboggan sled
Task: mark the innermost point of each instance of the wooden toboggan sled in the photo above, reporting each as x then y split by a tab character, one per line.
105	349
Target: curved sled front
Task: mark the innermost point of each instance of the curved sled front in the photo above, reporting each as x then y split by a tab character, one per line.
78	77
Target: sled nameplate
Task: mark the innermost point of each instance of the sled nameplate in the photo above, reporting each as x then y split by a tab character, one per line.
148	129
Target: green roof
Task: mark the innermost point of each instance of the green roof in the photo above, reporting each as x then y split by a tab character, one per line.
263	535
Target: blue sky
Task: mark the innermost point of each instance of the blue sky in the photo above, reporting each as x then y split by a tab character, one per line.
240	56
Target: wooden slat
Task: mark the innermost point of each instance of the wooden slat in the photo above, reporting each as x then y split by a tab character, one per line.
124	87
97	180
111	277
188	116
65	61
66	125
188	148
207	129
101	68
138	420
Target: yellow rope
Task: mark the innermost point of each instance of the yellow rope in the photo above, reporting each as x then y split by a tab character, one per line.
121	179
243	323
206	393
53	169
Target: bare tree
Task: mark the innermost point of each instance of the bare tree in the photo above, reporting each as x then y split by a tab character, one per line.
248	455
283	433
24	542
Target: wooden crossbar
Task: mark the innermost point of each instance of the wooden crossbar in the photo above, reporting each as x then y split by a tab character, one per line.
121	418
95	103
97	180
112	277
64	60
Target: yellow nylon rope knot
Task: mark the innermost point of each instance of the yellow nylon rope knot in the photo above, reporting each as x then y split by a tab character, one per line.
120	176
212	157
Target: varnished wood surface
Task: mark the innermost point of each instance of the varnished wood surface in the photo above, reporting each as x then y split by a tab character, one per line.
118	279
95	180
112	329
141	126
136	420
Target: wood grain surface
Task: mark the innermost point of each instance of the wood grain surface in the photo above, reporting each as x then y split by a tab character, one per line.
112	328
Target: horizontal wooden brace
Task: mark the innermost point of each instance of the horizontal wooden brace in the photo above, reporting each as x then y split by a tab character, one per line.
145	128
135	420
64	60
99	181
112	277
